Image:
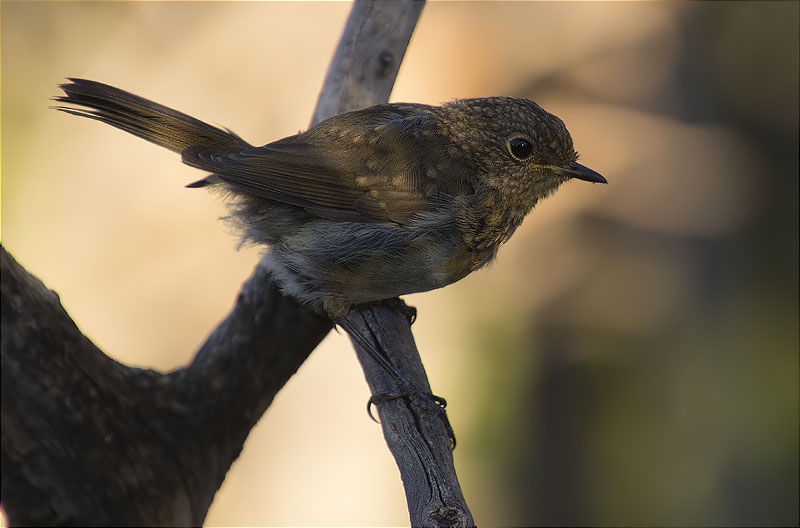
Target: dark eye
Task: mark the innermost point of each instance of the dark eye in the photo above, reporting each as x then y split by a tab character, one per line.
520	148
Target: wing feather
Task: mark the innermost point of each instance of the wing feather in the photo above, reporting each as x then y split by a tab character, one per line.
362	167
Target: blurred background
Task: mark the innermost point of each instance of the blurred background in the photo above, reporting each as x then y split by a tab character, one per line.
630	359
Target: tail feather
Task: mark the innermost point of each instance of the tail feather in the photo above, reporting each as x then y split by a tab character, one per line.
144	118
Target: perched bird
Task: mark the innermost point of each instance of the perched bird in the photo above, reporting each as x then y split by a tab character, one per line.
371	204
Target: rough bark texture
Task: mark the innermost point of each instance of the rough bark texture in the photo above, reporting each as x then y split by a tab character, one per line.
86	440
366	62
415	435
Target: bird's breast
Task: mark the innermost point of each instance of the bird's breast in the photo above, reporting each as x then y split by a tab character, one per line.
485	226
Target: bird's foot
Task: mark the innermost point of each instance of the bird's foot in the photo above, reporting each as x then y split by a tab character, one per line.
419	401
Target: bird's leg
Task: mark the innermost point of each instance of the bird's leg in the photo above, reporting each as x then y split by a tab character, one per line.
404	387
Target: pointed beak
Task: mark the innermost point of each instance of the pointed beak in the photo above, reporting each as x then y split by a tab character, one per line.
579	172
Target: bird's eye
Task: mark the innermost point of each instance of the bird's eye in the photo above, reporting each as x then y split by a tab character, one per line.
520	148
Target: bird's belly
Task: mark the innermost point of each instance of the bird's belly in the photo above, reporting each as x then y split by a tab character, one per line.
367	262
417	266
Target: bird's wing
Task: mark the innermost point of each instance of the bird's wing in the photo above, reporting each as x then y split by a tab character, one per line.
382	164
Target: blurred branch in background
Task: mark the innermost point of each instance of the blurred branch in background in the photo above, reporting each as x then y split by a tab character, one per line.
663	378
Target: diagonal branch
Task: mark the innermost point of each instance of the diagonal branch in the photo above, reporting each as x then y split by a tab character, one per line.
416	436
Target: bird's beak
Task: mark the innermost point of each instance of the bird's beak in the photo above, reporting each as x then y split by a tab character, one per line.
579	172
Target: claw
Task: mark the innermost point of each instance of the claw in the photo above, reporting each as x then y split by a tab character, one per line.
370	403
436	404
375	399
398	304
405	389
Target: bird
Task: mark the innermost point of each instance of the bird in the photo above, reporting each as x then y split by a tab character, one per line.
367	205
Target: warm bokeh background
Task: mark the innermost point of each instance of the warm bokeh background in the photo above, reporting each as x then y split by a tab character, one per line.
631	358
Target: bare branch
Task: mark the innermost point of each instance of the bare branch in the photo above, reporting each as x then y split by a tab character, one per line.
416	436
368	57
362	74
86	440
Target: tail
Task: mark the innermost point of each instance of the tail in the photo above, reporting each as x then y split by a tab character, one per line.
148	120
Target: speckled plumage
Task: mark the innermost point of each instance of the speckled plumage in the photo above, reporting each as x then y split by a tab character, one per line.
372	204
